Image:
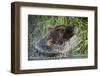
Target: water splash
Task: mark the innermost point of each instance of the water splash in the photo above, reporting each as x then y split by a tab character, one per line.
39	34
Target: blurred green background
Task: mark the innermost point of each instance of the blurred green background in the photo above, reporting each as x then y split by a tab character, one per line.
38	27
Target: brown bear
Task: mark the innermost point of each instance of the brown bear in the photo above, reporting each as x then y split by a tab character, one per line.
52	46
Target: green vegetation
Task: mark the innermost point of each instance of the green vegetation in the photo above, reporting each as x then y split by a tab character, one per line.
39	24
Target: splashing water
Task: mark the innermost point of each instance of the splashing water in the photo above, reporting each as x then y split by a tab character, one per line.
40	34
